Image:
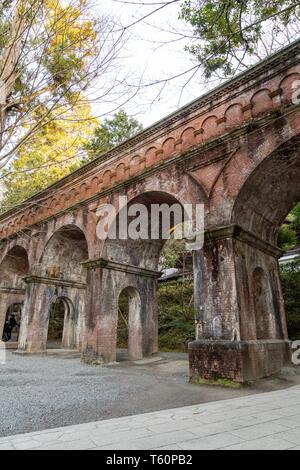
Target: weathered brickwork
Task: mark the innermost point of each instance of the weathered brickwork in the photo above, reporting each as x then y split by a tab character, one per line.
235	150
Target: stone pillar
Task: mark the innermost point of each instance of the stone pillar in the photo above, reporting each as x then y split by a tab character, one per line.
105	281
240	321
100	321
33	331
148	288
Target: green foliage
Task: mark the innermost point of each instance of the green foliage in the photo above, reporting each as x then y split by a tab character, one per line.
49	54
227	30
294	219
175	317
47	156
287	238
176	324
289	234
4	21
290	279
171	253
111	133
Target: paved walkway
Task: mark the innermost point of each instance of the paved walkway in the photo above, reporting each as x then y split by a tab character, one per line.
263	421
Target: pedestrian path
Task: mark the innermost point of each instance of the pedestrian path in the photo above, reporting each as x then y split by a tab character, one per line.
262	421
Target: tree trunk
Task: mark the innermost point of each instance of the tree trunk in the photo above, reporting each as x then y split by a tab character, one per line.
10	56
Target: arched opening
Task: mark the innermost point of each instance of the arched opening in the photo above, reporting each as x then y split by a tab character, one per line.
61	265
266	198
14	267
289	240
269	193
12	323
64	253
162	212
130	331
62	325
260	295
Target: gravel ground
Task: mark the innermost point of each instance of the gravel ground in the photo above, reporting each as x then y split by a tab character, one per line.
40	392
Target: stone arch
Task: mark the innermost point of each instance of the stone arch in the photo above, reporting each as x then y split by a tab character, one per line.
170	186
172	182
61	200
286	86
169	147
120	172
151	156
58	273
134	165
269	192
210	127
94	183
53	203
63	253
132	262
188	138
261	102
73	194
233	115
107	178
133	309
146	252
14	266
277	139
83	190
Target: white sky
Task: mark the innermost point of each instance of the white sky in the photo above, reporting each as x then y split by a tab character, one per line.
146	57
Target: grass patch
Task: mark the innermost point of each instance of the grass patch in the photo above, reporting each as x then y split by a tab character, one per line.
218	382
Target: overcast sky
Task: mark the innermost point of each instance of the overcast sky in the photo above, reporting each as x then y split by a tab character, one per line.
152	52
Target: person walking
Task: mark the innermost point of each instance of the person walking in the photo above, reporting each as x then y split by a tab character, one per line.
10	323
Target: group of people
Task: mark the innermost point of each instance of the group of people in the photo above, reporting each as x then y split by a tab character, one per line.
9	325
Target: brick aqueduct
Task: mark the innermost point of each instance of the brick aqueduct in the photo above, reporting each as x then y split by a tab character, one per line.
236	150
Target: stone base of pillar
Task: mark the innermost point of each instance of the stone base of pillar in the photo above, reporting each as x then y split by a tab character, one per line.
90	357
239	361
25	352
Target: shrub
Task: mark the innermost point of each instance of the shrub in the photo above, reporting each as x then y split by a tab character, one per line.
290	278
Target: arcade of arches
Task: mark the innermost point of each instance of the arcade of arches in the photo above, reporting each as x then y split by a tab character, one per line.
234	150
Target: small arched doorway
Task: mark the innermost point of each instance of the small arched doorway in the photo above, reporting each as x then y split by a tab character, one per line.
261	301
129	334
62	324
12	323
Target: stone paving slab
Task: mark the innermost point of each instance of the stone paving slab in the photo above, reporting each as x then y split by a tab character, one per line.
263	421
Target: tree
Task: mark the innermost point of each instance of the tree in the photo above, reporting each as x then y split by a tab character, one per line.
228	33
53	153
290	278
289	233
294	219
112	132
51	51
60	147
